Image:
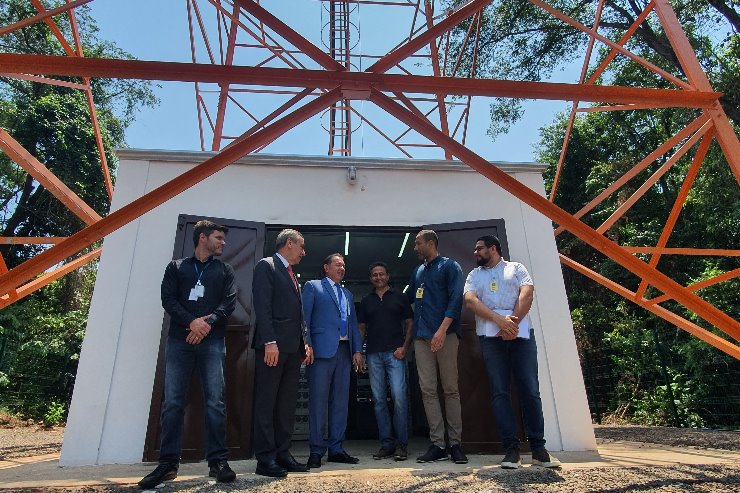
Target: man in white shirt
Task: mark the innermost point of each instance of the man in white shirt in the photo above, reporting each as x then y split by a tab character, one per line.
500	294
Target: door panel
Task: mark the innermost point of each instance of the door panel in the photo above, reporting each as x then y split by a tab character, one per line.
244	247
456	241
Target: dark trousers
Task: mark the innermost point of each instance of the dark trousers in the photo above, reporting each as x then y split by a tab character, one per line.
518	359
275	398
181	359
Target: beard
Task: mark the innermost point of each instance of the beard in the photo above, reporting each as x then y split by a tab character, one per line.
481	261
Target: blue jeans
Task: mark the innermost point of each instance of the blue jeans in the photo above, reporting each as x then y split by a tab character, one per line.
181	359
517	357
381	367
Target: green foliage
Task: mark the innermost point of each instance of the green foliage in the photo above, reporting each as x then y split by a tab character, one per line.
643	360
54	124
41	335
55	413
49	329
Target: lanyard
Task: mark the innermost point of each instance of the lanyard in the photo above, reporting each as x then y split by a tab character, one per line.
200	273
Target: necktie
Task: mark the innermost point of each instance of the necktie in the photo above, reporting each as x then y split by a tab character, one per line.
342	311
292	277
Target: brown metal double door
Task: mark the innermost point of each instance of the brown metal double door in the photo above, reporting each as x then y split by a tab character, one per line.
244	247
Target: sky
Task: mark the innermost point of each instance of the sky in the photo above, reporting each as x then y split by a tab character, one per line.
158	30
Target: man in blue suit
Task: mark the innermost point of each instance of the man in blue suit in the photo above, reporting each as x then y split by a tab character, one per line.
336	343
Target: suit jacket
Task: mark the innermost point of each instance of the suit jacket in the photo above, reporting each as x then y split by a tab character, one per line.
323	318
277	307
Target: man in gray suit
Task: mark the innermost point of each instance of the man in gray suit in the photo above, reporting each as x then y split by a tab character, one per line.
281	343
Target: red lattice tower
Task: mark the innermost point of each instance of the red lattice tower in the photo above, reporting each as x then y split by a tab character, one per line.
312	77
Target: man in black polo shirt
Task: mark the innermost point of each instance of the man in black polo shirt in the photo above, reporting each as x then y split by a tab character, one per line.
385	321
199	294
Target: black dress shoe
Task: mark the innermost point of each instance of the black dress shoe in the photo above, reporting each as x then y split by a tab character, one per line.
290	464
271	469
314	461
343	457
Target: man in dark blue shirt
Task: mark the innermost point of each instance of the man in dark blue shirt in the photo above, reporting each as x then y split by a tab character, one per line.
199	294
436	289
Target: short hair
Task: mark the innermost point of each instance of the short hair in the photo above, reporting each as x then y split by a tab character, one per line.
378	264
327	261
206	227
490	241
284	236
430	235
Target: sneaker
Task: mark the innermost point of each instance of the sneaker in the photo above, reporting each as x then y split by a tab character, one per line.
542	458
433	454
458	457
163	472
512	460
222	472
402	453
383	453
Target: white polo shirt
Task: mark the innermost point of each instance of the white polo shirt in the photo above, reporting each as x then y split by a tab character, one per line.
498	288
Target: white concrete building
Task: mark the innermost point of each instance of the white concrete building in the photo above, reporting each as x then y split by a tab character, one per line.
110	409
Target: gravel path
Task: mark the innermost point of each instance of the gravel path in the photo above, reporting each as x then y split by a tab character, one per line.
25	441
30	440
674	437
715	479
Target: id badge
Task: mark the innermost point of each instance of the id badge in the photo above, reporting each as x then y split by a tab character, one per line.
200	290
494	286
419	293
193	295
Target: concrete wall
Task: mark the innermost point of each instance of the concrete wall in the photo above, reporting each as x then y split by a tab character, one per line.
110	407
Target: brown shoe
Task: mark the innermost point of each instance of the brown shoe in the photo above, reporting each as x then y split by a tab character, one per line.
383	453
402	453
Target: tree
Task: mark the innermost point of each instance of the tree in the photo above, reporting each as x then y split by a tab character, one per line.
521	41
651	372
53	124
41	335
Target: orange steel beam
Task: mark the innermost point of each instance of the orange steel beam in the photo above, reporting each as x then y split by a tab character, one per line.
625	206
93	112
678	205
47	14
12	295
444	125
636	169
161	194
47	179
627	35
618	254
685	251
726	135
414	45
701	285
290	35
49	277
46	80
574	108
222	97
650	66
690	327
31	240
621	107
284	107
54	28
394	143
267	41
188	72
